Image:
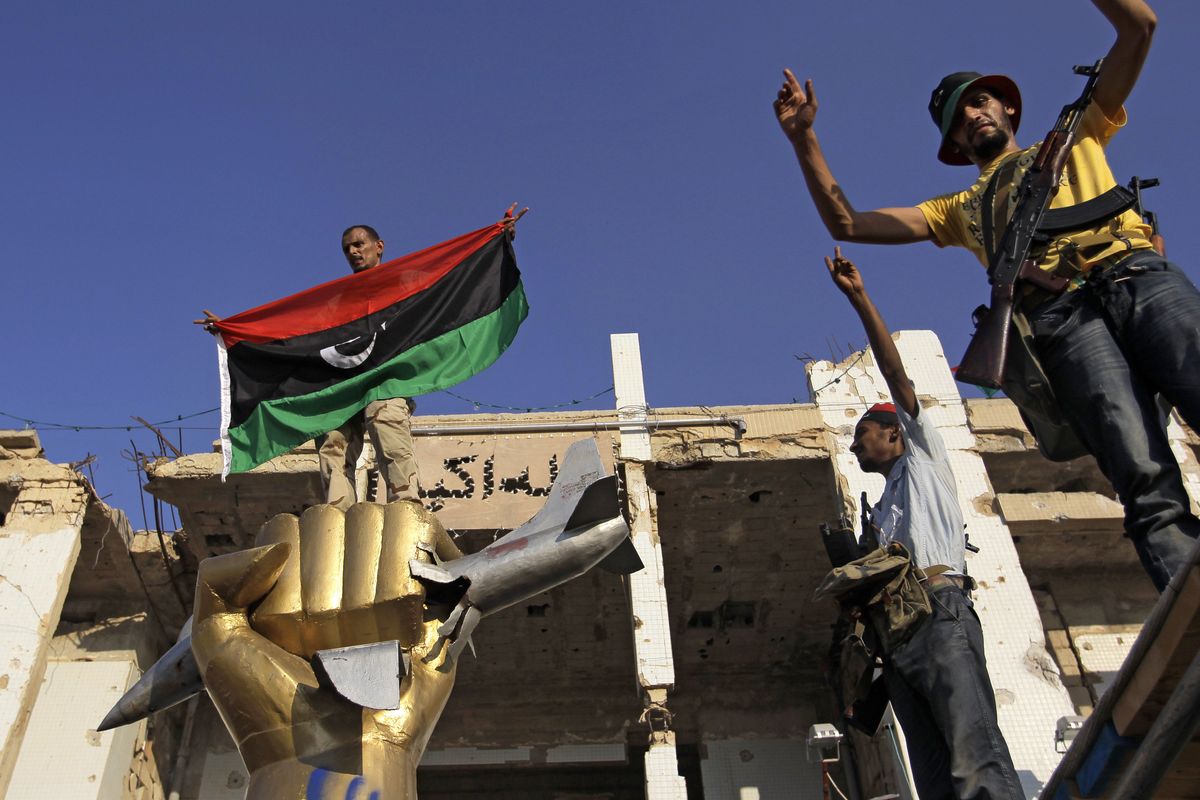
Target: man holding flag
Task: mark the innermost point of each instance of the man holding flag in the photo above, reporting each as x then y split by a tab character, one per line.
388	422
339	361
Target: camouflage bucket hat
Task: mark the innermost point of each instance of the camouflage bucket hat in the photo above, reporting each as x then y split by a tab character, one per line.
944	102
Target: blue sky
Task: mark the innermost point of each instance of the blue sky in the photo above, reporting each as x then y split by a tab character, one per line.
161	158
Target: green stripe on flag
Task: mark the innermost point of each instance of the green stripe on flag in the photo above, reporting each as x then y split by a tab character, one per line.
277	426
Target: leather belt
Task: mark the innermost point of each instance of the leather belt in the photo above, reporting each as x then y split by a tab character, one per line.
1033	296
935	582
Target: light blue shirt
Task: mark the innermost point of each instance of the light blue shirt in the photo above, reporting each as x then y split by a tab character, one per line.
919	505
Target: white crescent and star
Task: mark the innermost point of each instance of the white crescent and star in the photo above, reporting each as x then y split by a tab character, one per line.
335	358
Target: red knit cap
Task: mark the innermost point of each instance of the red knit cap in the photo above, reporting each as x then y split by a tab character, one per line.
883	413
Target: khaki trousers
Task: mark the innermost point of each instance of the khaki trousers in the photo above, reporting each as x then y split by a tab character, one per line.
389	424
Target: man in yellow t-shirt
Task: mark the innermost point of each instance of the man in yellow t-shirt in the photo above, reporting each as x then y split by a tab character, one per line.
1129	330
958	218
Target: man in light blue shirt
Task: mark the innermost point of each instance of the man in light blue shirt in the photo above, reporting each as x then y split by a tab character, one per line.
919	505
937	680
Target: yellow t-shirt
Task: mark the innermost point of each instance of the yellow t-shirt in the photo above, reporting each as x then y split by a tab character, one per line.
955	218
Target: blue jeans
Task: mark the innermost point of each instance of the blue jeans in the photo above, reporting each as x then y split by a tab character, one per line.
941	693
1133	331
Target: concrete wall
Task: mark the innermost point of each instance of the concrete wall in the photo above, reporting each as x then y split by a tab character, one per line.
761	769
720	646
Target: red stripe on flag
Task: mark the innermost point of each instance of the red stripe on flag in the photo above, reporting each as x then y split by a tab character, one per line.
354	296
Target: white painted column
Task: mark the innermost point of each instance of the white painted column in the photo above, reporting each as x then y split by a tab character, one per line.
62	755
630	394
1029	693
1188	464
39	544
647	590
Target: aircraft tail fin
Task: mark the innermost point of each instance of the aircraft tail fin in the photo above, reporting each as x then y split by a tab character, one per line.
580	469
598	503
624	560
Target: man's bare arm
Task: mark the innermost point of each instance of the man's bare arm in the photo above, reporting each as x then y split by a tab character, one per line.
1134	22
796	109
848	279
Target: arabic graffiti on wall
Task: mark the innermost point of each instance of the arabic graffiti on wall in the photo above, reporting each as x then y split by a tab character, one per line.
456	482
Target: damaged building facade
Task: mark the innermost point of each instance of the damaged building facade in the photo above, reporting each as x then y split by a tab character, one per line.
699	677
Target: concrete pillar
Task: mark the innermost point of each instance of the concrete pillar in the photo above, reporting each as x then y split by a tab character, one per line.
647	592
62	755
88	668
39	543
1186	457
1029	693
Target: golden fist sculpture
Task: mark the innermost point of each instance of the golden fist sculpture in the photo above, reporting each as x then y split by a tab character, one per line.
299	640
325	580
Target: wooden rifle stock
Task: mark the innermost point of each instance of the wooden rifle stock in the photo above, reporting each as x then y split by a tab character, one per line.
983	363
1160	244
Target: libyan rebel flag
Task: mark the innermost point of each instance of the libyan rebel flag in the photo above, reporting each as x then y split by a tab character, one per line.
301	366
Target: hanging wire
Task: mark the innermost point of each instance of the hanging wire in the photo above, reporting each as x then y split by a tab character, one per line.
34	423
527	409
838	378
30	422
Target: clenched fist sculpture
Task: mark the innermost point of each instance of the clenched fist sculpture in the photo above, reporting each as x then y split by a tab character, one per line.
321	582
299	640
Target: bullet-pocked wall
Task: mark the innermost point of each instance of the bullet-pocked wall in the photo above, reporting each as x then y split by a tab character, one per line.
556	700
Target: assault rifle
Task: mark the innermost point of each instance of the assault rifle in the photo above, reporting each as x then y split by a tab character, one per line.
842	546
869	540
983	363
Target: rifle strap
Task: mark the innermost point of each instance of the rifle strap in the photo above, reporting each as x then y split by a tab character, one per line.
1026	384
996	219
1088	245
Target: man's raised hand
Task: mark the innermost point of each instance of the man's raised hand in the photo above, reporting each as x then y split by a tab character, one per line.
845	275
795	107
510	221
209	322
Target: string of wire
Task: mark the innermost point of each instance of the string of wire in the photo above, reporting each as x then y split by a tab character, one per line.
166	424
527	409
770	408
837	378
67	426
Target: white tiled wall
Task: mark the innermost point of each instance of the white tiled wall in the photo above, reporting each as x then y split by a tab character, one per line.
760	769
663	781
62	755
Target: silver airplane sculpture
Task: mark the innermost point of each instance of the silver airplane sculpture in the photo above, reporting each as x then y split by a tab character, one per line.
579	527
